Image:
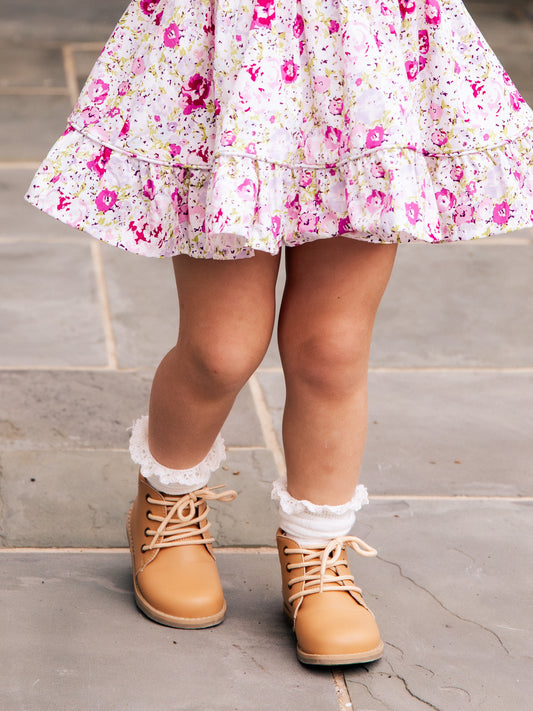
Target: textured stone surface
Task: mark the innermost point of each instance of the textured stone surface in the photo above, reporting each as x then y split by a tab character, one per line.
69	410
144	306
30	125
72	638
442	433
20	220
59	20
449	594
250	520
451	588
457	305
34	66
49	306
83	409
81	497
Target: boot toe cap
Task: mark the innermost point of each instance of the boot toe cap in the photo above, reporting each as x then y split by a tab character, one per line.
327	627
191	592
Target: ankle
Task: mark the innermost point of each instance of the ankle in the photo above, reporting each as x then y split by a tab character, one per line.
172	481
315	525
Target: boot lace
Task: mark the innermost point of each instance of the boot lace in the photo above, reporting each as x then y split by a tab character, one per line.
183	520
321	569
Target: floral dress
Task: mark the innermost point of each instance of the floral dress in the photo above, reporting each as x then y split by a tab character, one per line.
214	128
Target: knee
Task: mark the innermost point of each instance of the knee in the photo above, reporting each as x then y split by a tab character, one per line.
222	365
332	361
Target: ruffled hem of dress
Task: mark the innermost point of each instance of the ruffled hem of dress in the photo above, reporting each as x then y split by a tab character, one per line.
195	476
241	203
289	505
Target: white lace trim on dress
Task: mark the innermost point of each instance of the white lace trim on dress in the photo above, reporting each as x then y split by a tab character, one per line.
196	477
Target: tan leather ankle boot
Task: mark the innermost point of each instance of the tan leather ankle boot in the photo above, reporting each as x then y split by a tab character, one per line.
330	619
175	577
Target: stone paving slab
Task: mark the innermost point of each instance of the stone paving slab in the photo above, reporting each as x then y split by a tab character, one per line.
446	306
441	433
449	593
59	20
69	409
447	590
84	409
80	498
30	66
457	305
22	221
30	125
73	638
143	305
49	306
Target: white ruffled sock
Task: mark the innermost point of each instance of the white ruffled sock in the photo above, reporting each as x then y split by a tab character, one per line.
313	525
172	481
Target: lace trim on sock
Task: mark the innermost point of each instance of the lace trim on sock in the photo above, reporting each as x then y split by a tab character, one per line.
290	505
199	474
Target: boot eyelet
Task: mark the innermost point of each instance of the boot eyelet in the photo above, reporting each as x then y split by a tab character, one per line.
147	496
143	548
146	531
148	514
287	567
285	550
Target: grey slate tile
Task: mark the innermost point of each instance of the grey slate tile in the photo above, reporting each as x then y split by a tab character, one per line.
49	307
75	410
457	305
65	410
450	592
30	125
441	433
80	498
65	498
23	65
22	221
59	20
144	306
250	520
75	639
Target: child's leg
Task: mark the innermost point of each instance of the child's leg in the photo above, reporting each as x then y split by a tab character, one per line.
226	319
327	314
227	313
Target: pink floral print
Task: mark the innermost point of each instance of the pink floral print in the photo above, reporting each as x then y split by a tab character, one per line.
215	129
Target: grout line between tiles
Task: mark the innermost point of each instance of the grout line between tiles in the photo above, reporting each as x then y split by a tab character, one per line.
427	369
40	240
343	695
454	369
19	165
257	550
267	427
69	67
69	368
246	448
34	91
521	370
87	46
457	497
111	346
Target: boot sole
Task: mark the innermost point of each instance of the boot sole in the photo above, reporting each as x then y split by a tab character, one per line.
162	618
339	659
330	660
